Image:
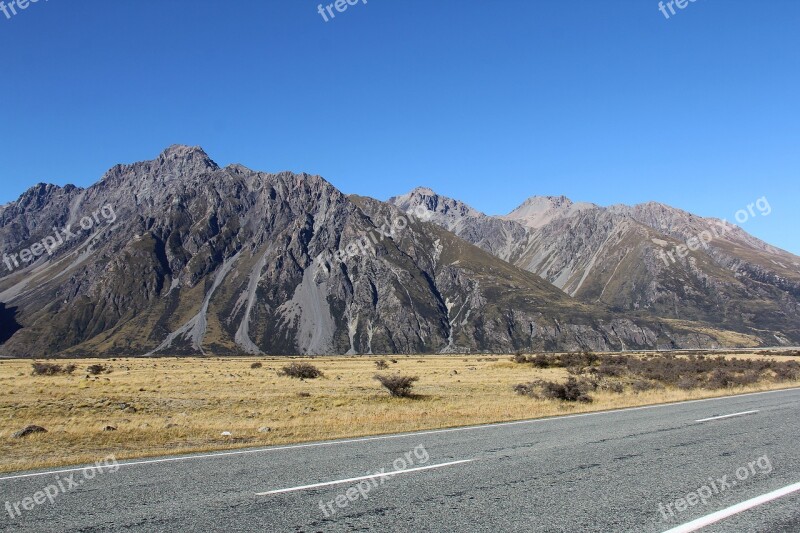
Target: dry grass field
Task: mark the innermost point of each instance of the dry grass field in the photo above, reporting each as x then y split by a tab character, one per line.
170	405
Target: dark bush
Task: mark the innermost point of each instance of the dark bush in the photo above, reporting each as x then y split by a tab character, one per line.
720	379
571	391
642	385
49	369
610	370
750	377
518	357
526	389
696	370
301	371
789	371
585	359
256	365
398	386
96	369
382	364
689	383
539	360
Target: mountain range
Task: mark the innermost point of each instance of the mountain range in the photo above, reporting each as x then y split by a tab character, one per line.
199	259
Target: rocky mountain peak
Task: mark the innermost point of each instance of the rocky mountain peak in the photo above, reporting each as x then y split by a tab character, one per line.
186	158
39	197
538	211
178	164
435	203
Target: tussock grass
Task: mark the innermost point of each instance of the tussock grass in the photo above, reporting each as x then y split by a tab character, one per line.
168	405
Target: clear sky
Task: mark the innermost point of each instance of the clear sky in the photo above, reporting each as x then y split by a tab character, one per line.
486	101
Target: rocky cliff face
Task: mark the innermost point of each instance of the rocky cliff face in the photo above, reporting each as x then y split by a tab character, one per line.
619	256
179	256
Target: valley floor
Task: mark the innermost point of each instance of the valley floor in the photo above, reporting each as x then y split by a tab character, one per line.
178	405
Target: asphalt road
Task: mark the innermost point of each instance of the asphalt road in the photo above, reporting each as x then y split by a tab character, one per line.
639	470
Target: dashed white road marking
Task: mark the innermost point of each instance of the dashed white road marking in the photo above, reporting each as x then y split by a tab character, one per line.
727	416
371	476
736	509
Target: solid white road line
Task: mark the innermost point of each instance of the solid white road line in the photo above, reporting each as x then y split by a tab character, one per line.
727	416
372	476
398	435
730	511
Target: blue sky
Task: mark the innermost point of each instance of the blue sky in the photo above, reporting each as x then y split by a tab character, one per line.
488	102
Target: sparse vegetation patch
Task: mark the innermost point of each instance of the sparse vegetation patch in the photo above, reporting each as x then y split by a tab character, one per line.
573	390
97	369
301	371
644	373
179	405
398	386
49	369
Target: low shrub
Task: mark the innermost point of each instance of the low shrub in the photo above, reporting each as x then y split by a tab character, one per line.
697	370
722	379
50	369
571	391
609	370
518	357
398	386
585	359
256	365
97	369
642	385
788	371
526	389
689	383
382	364
301	371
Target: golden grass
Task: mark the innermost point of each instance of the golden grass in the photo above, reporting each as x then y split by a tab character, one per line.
726	337
183	405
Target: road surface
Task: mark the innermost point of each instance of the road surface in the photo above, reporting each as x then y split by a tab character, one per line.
662	468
